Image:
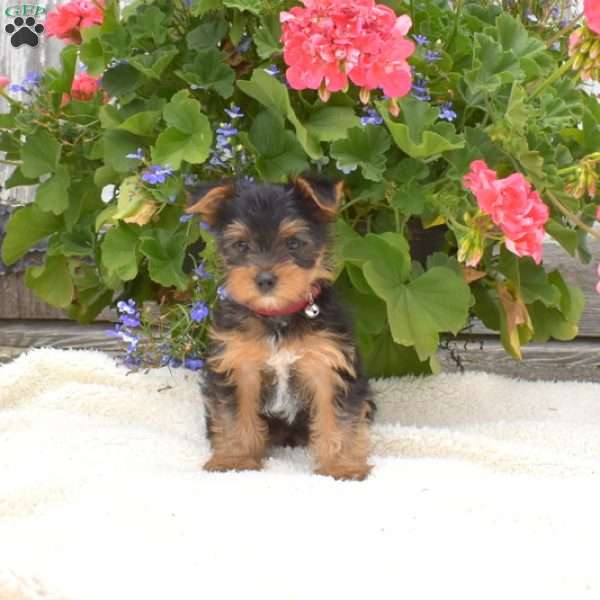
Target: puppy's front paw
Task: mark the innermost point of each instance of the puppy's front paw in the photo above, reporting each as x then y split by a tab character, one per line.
232	463
355	472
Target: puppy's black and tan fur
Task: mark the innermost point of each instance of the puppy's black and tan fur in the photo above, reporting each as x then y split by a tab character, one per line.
276	375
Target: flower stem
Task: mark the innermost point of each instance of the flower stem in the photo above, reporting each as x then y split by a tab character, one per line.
554	77
456	21
572	216
568	170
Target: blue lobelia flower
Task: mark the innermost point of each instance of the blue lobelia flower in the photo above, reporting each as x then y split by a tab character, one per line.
193	364
199	312
201	271
420	91
235	112
272	70
447	112
432	55
371	117
422	40
156	174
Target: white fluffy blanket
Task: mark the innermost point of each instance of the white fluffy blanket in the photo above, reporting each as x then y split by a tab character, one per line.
483	487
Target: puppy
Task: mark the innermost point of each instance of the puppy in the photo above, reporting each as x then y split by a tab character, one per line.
282	367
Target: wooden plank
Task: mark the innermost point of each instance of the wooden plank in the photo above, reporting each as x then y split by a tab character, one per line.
568	361
56	334
554	361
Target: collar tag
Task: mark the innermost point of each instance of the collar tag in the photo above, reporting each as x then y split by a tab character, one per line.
312	310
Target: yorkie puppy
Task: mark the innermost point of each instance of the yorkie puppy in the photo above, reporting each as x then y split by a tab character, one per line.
282	366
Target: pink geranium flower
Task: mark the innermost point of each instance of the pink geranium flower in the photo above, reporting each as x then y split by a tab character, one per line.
67	21
513	206
4	81
591	9
84	87
329	43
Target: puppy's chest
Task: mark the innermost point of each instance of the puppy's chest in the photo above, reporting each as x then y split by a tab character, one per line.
279	397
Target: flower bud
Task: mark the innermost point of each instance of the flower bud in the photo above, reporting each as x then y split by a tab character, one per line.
324	93
595	49
393	107
364	95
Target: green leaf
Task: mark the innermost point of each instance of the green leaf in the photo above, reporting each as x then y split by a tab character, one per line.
409	199
189	136
165	251
384	358
565	236
535	284
122	79
142	123
513	36
53	194
51	281
148	22
27	226
17	179
529	279
279	153
185	115
267	36
92	56
91	294
253	6
68	59
332	123
418	136
517	112
492	66
119	251
105	215
40	154
419	310
80	241
386	255
365	147
172	147
201	7
274	95
206	35
153	64
117	144
209	71
368	311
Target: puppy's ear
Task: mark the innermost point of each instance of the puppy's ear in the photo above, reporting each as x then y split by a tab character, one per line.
206	199
325	193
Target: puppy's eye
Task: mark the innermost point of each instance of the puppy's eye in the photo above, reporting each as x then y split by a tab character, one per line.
242	246
293	243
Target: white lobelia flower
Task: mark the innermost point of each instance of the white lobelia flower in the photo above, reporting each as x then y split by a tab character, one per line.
108	193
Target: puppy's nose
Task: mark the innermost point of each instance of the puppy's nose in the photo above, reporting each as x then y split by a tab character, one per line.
266	281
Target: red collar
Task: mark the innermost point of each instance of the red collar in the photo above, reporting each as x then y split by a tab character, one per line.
314	293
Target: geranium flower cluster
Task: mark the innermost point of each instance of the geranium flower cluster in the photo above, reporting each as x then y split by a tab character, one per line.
331	42
584	43
67	21
513	206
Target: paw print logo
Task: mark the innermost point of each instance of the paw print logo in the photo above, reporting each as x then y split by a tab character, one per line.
24	32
